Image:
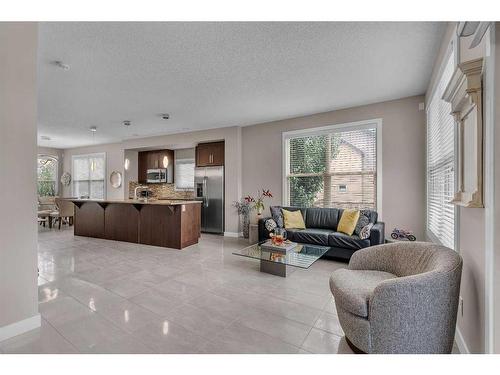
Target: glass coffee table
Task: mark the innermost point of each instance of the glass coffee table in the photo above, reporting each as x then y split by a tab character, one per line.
278	262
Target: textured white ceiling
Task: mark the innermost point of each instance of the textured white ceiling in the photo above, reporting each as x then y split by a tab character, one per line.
209	75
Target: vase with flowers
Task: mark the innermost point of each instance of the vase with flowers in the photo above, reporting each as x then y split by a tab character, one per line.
249	203
259	201
244	207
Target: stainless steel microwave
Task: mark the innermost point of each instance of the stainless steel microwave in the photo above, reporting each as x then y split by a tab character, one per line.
156	176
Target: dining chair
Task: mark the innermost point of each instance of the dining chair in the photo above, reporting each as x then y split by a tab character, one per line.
65	211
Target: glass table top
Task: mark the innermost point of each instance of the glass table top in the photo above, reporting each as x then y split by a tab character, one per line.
301	256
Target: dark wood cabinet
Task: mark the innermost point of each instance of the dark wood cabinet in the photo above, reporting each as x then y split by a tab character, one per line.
115	228
160	224
142	167
154	160
210	154
89	219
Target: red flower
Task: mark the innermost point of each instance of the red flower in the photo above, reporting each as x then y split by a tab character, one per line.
267	193
249	199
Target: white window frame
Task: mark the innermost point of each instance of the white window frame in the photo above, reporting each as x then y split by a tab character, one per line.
56	159
356	125
453	49
95	154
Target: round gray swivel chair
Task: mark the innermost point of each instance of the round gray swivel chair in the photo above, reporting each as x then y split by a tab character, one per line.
399	298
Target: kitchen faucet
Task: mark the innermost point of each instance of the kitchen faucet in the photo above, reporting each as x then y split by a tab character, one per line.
137	188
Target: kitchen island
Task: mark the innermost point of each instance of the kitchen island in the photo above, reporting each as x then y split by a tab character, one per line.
167	223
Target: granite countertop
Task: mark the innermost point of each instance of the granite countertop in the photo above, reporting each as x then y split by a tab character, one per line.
153	201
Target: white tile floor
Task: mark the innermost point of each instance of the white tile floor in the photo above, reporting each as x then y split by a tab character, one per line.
99	296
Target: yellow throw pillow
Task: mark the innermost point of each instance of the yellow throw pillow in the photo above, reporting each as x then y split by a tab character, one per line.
293	219
348	221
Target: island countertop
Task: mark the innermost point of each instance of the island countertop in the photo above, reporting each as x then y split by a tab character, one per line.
151	201
167	223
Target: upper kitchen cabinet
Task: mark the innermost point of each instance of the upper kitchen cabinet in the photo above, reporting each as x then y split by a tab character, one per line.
157	159
210	154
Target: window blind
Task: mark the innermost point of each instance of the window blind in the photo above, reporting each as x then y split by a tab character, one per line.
184	173
440	162
333	169
88	176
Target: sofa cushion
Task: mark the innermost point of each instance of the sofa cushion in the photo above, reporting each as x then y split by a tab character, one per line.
363	221
353	242
290	234
347	222
325	218
293	219
352	289
372	215
314	236
301	209
277	216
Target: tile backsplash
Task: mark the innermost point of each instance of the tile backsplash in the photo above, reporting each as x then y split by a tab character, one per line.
162	191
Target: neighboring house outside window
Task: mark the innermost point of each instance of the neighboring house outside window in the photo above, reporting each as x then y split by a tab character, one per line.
89	173
337	167
47	176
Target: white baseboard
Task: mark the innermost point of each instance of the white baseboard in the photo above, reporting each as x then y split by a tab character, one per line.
18	328
232	234
459	339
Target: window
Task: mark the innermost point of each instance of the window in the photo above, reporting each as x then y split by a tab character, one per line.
89	173
47	176
184	174
440	162
335	166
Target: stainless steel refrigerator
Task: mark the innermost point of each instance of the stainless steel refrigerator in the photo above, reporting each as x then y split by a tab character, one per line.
209	186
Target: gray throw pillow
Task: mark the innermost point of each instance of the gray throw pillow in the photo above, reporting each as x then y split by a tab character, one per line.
363	221
277	216
365	232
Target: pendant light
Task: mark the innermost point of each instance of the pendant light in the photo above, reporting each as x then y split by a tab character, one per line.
93	129
165	161
126	163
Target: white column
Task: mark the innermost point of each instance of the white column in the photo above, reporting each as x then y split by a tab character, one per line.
18	150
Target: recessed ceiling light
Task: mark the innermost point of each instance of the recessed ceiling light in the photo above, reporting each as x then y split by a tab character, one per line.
61	65
93	129
45	137
165	116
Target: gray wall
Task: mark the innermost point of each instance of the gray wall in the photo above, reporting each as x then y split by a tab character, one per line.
403	160
114	162
254	158
116	153
18	150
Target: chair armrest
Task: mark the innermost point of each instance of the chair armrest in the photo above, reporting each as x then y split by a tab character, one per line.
377	234
263	232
